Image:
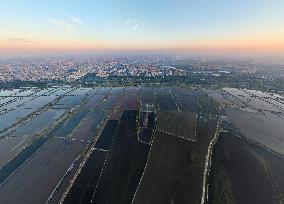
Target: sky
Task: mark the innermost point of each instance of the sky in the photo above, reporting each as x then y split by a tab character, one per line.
41	27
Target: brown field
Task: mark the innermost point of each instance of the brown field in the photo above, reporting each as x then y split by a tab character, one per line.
265	128
87	129
124	165
94	101
180	124
35	176
174	170
244	173
10	147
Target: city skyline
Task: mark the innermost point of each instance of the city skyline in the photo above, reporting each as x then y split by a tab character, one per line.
185	26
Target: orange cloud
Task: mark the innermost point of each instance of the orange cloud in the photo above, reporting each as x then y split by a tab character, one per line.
253	44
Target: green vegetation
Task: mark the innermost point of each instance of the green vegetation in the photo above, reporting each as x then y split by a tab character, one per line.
221	186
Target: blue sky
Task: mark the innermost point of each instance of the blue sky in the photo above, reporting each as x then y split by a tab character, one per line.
130	24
